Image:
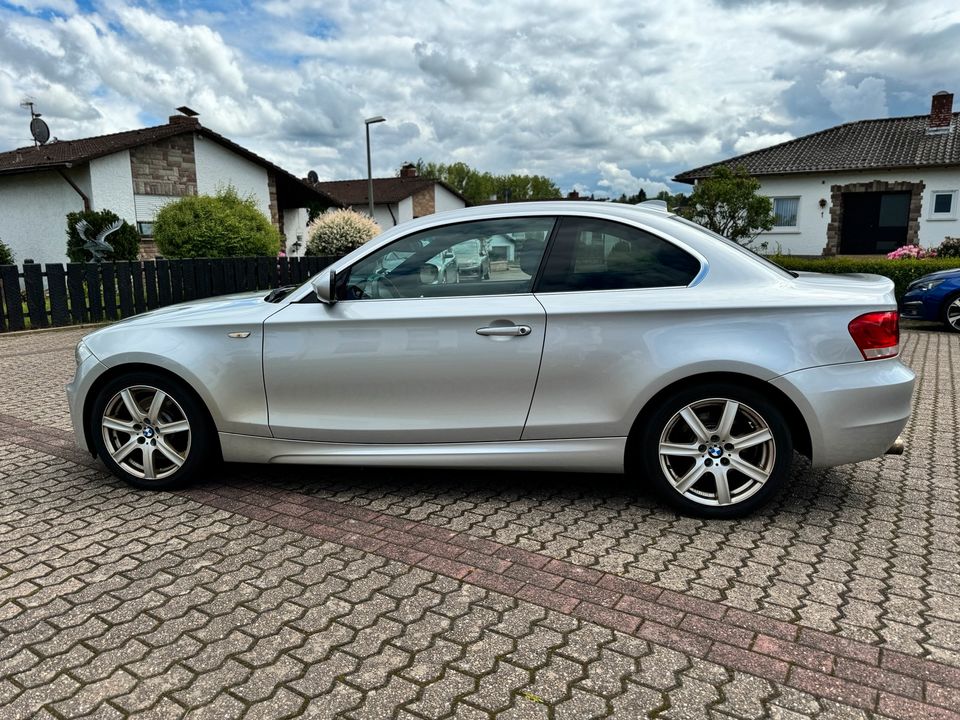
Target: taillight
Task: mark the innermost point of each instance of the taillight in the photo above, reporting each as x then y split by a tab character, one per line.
877	334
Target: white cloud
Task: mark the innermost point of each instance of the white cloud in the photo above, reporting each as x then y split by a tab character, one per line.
617	181
850	101
751	141
605	95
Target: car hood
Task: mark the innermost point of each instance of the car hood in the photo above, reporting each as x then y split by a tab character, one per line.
939	275
248	307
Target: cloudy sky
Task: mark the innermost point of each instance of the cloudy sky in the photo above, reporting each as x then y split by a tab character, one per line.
602	97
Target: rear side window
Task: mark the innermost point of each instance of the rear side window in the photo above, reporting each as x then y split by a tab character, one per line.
592	254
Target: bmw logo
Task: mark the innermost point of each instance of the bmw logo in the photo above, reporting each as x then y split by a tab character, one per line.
714	452
148	432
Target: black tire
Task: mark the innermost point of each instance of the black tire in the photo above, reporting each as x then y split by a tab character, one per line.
945	309
197	446
753	413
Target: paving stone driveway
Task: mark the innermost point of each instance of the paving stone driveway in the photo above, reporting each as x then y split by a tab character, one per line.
285	592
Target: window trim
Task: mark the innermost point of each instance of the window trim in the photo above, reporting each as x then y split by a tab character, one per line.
795	228
951	215
343	272
553	241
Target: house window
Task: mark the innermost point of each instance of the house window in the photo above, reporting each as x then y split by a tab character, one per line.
145	228
785	211
943	205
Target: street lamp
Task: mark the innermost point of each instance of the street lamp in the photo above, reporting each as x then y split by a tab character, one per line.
368	122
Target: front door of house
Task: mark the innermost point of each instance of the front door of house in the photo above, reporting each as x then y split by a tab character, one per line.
874	222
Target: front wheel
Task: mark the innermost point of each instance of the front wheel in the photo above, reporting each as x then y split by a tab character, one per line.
716	450
150	431
951	313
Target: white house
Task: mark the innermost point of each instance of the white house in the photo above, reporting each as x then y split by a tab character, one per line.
861	188
134	173
395	199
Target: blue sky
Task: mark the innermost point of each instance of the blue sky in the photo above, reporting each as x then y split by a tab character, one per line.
603	98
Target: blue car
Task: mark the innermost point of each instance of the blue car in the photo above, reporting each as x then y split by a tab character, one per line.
934	297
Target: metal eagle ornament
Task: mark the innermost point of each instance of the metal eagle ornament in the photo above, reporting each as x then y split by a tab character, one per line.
96	245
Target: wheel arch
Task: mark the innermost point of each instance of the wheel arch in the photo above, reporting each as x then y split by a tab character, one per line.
799	432
127	368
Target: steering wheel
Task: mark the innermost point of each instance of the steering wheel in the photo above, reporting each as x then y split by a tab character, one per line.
385	283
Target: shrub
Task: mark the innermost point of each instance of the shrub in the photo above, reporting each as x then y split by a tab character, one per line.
125	241
337	232
949	248
6	254
902	272
910	252
213	226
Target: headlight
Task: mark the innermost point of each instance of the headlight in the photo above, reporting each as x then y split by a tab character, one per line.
81	353
925	285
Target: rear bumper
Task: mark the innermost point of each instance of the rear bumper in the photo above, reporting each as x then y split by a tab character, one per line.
854	411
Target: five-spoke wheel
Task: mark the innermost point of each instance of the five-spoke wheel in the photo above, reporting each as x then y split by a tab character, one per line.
716	450
150	429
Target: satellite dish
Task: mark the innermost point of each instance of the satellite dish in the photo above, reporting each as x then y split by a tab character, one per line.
313	177
39	130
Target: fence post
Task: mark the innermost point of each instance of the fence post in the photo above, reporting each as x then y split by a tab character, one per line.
57	288
78	299
36	305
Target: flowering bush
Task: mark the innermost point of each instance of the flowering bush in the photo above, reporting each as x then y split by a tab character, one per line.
950	247
337	232
911	252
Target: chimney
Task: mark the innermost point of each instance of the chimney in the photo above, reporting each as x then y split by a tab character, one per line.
409	170
183	120
941	113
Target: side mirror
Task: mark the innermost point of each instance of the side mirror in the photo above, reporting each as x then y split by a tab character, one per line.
325	287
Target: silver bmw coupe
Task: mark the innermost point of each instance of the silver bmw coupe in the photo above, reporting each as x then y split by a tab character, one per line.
603	338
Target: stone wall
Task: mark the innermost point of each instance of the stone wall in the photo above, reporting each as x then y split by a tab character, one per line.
166	167
424	203
275	217
836	208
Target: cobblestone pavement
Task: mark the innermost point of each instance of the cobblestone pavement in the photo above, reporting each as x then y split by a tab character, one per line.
286	592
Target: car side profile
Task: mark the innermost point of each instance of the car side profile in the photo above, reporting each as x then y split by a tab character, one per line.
618	339
934	297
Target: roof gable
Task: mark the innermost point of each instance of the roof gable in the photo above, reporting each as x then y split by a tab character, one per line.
385	190
866	144
66	153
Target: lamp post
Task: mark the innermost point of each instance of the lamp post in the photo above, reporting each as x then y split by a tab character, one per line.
368	122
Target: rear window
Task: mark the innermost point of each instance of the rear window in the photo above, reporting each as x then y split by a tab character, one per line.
740	248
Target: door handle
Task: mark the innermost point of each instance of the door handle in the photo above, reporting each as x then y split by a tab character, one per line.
505	330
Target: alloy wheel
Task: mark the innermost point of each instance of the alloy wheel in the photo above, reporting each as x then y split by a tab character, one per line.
953	314
717	452
146	432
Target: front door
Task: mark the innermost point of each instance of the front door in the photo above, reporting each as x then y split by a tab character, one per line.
409	355
874	222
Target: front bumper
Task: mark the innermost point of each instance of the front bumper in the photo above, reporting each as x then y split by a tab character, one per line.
854	411
77	391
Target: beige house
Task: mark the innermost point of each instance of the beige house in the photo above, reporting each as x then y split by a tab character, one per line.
395	199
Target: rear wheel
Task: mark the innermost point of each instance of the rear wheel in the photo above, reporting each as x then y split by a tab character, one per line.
150	431
716	450
951	313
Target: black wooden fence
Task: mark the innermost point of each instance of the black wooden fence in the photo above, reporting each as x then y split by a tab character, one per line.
55	295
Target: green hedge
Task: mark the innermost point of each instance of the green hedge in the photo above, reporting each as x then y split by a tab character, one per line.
902	272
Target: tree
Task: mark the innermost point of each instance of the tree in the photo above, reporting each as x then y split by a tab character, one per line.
6	254
477	186
727	203
337	232
221	225
125	241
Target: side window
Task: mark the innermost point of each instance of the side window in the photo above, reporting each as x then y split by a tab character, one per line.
483	257
591	254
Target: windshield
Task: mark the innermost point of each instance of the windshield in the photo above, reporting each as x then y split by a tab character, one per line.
468	248
745	250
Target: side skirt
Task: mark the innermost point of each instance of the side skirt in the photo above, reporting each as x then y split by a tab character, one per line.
574	455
